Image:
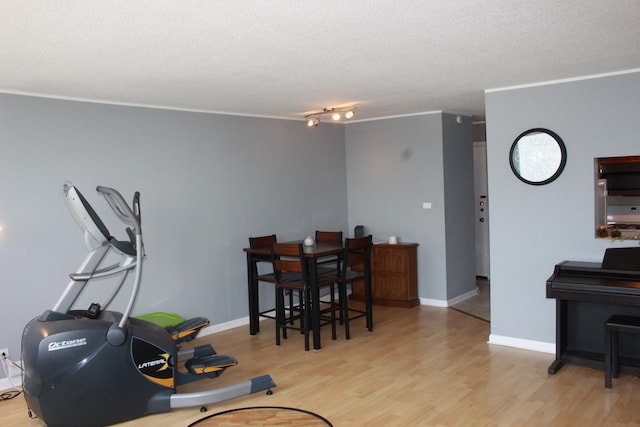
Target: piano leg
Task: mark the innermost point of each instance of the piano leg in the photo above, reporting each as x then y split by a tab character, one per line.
555	366
561	336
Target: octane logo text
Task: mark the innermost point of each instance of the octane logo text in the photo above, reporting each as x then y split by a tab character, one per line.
61	345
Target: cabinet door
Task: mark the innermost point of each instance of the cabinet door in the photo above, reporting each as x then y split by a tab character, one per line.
390	260
390	286
394	279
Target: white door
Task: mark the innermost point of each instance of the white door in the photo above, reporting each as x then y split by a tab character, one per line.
481	208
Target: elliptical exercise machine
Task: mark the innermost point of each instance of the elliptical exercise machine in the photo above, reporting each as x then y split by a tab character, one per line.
96	367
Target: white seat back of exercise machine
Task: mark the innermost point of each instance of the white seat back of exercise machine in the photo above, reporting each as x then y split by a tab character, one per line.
85	217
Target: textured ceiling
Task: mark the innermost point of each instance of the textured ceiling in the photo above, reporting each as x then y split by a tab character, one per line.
286	58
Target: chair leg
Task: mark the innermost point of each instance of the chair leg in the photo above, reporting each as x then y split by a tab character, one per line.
340	310
332	300
369	304
614	353
300	303
254	275
291	306
344	307
607	356
306	304
279	313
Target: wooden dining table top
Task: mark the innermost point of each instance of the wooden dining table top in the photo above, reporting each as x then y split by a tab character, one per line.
316	250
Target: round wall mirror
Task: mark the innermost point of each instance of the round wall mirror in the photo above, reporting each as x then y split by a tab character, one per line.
538	156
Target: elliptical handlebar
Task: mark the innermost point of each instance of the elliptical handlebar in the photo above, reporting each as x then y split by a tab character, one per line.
130	216
121	208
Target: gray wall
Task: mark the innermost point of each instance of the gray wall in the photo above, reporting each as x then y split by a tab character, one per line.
207	183
535	227
459	205
393	166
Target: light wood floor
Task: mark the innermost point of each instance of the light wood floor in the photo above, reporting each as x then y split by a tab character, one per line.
424	366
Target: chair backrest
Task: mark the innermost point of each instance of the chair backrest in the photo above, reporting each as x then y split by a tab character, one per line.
328	236
357	254
262	241
288	258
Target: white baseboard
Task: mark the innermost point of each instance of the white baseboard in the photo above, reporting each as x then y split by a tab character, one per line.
462	297
15	383
543	347
433	302
212	329
448	303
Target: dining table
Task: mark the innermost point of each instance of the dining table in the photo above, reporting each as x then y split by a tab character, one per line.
312	254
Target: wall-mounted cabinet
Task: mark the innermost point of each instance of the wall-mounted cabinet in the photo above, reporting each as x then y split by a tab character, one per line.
618	197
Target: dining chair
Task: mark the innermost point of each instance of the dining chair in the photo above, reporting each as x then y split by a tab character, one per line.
291	275
329	237
356	266
330	264
264	242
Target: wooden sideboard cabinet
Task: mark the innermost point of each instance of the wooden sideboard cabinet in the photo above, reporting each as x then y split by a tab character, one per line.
394	275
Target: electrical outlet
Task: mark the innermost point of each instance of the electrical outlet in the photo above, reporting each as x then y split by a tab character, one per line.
4	352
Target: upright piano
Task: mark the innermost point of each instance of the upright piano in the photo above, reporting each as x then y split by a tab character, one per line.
586	294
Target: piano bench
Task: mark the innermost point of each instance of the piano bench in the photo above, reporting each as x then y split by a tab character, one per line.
612	327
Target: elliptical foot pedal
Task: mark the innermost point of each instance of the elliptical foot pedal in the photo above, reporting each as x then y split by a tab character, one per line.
211	366
187	330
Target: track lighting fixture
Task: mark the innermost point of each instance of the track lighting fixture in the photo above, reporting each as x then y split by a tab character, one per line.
337	114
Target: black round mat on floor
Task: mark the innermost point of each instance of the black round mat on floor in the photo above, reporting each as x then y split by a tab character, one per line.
263	416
